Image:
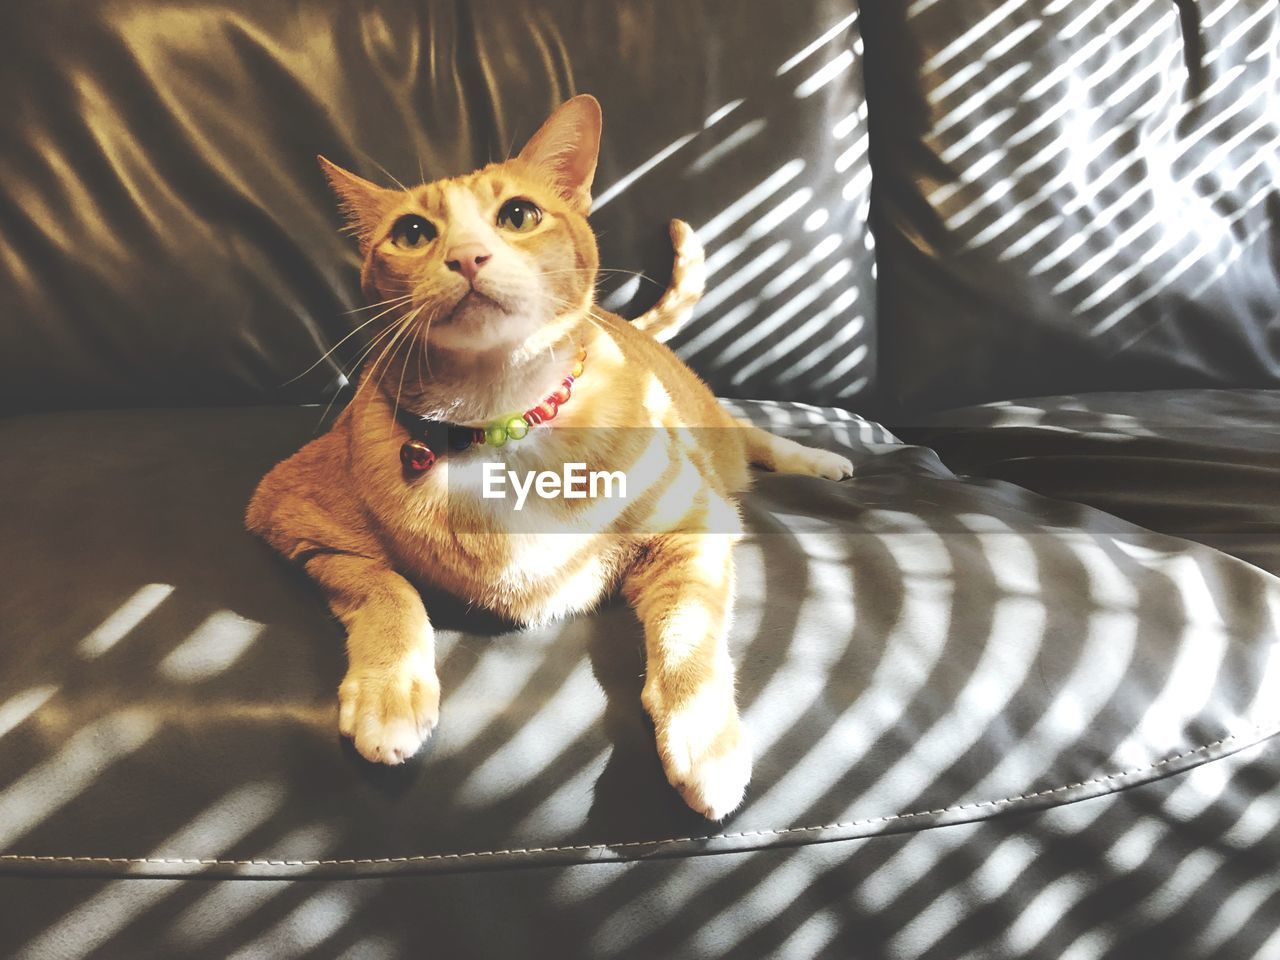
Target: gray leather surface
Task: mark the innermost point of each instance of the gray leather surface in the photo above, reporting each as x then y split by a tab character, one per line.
1199	464
1182	868
913	650
1074	197
169	238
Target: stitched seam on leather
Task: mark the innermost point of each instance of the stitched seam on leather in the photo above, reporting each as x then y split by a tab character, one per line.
744	834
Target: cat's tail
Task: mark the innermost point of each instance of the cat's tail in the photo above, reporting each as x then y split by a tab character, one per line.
688	280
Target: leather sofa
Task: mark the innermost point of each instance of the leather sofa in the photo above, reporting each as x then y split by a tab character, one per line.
1013	688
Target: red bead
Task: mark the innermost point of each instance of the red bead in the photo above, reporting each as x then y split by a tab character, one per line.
560	395
546	410
416	456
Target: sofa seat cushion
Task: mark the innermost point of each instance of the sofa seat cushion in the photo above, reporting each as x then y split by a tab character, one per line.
914	650
1199	464
1182	868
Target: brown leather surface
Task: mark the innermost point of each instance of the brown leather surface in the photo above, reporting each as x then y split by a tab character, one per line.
1074	197
1199	464
168	239
1105	863
913	650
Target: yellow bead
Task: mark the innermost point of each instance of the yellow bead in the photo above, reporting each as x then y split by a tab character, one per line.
577	369
517	428
495	435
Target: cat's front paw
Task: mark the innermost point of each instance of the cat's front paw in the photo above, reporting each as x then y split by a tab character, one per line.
812	462
389	711
709	768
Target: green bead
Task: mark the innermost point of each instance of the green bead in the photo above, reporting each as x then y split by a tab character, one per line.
517	428
495	435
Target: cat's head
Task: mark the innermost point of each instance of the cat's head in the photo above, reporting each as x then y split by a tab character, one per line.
495	259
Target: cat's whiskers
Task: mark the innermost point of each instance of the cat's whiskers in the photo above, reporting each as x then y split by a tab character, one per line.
369	348
418	359
413	349
400	302
383	339
388	352
578	270
388	355
511	146
380	303
389	174
404	367
587	313
426	333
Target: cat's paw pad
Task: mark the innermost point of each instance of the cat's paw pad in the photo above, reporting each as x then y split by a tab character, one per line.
711	774
389	712
813	462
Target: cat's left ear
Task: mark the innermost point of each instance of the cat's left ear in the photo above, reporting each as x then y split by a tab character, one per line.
567	146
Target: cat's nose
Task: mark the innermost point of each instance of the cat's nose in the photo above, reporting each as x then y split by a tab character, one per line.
467	259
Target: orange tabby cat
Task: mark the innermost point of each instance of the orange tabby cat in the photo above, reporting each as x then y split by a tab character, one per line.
492	276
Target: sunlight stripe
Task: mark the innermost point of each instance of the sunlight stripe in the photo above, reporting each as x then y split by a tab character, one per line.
988	92
124	620
1154	217
761	228
617	188
1071	66
1095	148
980	66
1211	19
717	115
715	154
81	759
826	73
983	28
812	360
22	705
1099	220
975	136
794	61
1171	276
844	367
750	200
766	326
810	328
726	287
1225	44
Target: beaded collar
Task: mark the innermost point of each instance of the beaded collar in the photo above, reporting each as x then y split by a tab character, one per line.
429	439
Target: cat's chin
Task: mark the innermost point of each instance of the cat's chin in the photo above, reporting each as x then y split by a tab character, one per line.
481	322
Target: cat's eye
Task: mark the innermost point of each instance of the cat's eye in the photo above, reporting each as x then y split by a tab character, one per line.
519	215
412	231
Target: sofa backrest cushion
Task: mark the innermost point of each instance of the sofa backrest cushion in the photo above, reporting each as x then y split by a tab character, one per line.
1075	196
166	236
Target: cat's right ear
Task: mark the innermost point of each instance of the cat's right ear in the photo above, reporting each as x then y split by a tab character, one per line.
566	148
365	204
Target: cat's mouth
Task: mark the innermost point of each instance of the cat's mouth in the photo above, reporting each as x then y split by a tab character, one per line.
474	304
483	317
475	296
